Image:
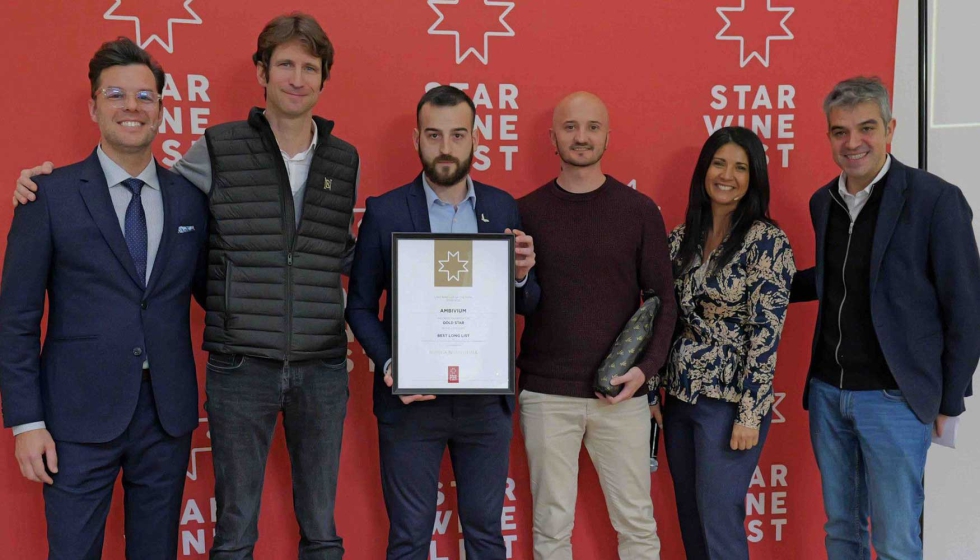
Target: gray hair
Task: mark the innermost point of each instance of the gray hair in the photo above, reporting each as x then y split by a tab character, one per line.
860	89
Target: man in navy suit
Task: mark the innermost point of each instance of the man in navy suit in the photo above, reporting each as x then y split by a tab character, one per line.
414	431
897	337
118	245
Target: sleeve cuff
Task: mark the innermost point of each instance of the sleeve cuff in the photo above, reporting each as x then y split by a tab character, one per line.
521	283
387	365
28	428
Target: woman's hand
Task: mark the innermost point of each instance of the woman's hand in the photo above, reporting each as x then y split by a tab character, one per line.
744	438
657	415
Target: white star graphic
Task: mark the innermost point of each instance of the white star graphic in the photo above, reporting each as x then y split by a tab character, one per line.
192	472
459	271
483	57
777	417
169	44
741	39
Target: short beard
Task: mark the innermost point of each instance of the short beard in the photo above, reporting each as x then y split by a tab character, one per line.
565	158
432	173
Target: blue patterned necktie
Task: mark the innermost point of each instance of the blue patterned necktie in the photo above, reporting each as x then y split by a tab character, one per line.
136	237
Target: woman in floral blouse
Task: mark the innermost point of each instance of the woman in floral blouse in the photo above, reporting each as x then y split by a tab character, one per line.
733	268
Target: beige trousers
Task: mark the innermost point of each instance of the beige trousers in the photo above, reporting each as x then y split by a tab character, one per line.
617	438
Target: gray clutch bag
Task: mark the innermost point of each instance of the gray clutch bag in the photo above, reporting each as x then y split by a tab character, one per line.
628	346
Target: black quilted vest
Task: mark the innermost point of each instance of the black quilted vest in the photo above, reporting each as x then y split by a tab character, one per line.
274	289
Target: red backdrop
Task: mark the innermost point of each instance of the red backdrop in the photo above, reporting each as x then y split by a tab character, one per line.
670	72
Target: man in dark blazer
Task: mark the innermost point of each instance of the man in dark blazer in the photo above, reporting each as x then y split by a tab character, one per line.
897	337
414	431
118	245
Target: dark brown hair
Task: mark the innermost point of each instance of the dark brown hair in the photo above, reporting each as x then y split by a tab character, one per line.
294	27
122	52
444	96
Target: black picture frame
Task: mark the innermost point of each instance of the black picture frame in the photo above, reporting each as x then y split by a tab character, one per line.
396	389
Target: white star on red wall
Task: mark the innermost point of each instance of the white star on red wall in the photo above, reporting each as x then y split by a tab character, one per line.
167	45
763	58
484	55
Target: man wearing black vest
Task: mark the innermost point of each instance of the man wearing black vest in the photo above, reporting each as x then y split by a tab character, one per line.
282	190
898	329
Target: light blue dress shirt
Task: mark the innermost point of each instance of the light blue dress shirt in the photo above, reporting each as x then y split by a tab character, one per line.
446	218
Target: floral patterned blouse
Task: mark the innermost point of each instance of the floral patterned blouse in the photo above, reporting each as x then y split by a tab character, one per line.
729	323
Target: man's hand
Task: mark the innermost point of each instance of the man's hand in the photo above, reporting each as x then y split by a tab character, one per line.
940	425
523	253
406	399
631	381
744	438
657	415
32	449
25	189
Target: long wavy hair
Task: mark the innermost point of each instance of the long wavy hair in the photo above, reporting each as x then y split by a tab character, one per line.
753	206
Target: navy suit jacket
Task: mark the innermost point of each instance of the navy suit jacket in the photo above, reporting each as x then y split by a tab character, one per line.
405	210
925	287
102	323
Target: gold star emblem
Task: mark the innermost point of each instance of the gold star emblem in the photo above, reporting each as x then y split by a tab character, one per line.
453	266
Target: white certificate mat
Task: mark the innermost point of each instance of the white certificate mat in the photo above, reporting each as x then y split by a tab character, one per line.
453	298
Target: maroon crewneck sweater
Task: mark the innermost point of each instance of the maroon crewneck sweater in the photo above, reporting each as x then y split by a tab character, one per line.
595	253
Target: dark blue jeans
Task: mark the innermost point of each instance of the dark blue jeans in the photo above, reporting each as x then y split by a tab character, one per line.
710	480
871	451
245	398
154	467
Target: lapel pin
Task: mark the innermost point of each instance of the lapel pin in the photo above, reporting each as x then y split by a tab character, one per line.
327	183
484	218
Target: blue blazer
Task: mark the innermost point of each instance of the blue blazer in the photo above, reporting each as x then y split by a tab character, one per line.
102	323
925	288
405	210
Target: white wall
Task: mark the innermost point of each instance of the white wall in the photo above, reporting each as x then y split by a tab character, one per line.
952	515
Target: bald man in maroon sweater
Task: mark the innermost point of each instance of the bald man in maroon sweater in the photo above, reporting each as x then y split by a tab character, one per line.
600	244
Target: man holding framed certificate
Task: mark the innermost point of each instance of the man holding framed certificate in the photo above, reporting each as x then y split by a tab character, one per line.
463	268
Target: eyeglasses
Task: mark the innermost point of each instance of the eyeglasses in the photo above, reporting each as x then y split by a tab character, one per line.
117	97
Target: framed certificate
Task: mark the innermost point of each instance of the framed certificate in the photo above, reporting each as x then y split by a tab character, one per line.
453	314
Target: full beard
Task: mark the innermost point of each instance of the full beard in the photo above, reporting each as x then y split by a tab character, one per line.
448	179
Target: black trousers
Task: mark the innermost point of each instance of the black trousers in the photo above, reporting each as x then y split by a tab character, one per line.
477	431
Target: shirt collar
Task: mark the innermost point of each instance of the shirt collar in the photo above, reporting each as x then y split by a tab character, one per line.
865	192
304	154
432	198
114	174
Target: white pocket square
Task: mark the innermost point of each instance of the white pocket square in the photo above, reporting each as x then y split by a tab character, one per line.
185	229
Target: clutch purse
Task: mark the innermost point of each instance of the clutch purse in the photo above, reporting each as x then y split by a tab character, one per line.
628	346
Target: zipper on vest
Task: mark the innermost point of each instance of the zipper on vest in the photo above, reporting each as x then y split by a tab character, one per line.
289	304
840	311
288	211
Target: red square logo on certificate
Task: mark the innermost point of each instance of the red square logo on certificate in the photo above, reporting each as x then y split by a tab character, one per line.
454	374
